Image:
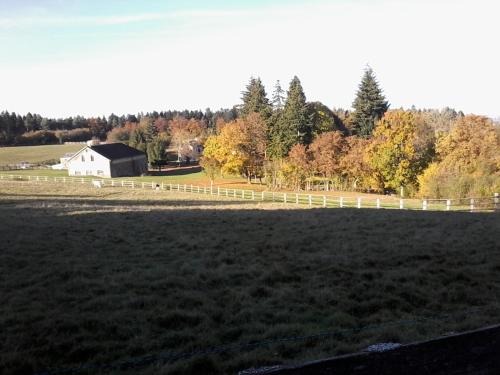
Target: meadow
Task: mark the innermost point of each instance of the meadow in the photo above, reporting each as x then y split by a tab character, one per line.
35	154
105	275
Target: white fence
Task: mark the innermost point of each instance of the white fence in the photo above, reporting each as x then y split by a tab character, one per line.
311	200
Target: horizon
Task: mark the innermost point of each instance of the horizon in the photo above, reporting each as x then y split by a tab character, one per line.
69	58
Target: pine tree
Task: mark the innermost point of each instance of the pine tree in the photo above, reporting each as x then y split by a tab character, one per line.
156	151
278	96
255	99
149	129
291	125
137	140
369	105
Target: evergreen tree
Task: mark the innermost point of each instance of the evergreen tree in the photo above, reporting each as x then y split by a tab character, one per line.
150	130
369	105
291	125
278	96
156	151
255	99
137	140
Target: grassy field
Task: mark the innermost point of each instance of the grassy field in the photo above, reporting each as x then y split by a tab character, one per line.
35	154
195	176
104	275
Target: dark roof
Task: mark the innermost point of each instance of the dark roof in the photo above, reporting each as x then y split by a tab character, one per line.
114	151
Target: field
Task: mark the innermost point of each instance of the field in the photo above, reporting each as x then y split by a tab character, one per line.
103	276
35	154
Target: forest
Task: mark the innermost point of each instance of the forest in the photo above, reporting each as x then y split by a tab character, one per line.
287	142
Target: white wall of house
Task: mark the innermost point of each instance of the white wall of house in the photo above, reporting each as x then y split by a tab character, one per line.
87	162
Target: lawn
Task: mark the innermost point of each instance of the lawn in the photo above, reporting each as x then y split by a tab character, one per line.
195	176
35	154
105	275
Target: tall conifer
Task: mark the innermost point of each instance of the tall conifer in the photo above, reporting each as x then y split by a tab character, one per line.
369	105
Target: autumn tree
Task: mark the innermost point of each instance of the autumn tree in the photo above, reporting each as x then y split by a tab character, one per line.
296	168
182	131
395	154
369	105
239	148
327	151
355	166
468	161
254	145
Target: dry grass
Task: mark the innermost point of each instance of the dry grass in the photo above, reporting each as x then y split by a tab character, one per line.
104	275
35	154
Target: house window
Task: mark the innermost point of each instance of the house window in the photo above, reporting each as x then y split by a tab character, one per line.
77	173
91	157
88	173
100	173
83	158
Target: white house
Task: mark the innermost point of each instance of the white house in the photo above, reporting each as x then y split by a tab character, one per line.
108	160
191	150
63	163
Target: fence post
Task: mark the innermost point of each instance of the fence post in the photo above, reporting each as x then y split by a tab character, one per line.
218	191
401	204
284	198
243	194
341	202
262	196
359	202
310	200
471	204
253	195
497	200
448	204
424	205
324	201
378	202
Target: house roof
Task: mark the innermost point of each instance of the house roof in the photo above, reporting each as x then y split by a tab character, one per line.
113	151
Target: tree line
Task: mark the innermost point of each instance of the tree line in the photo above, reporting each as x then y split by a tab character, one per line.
291	143
287	142
33	129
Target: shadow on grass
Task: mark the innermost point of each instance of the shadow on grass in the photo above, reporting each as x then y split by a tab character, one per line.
107	286
181	171
104	202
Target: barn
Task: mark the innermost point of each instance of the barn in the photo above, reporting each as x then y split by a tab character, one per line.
108	160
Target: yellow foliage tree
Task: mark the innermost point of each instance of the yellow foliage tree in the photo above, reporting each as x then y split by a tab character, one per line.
468	161
395	155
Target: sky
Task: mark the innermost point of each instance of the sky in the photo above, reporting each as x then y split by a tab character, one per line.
93	57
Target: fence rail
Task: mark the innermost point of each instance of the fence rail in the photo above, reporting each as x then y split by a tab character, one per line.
311	200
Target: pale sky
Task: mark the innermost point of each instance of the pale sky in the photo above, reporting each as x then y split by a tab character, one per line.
95	57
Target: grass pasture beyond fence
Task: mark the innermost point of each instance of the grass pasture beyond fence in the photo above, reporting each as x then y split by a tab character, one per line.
311	200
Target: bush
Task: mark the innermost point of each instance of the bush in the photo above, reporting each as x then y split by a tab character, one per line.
40	137
75	135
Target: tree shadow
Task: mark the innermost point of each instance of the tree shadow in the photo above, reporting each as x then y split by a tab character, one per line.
181	171
105	286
